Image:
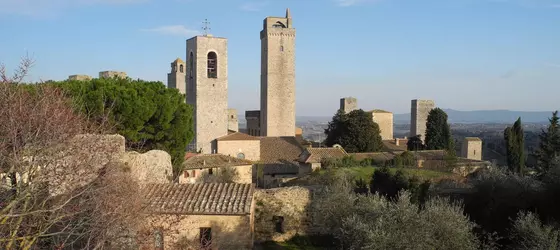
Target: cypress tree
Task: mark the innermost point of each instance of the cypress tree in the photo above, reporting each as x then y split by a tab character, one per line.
549	145
515	147
438	132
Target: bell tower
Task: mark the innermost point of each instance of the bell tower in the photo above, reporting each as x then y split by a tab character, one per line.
176	78
278	82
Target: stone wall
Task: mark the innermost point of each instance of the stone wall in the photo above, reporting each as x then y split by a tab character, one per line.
250	148
472	148
245	174
233	122
281	213
348	104
183	231
253	118
385	122
79	77
151	167
419	111
111	74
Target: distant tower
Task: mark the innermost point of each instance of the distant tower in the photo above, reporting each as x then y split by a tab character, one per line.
207	90
385	121
278	83
419	110
472	148
233	122
176	78
347	104
253	118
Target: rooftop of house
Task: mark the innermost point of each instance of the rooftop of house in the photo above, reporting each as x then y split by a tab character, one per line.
472	139
200	198
238	136
316	155
214	161
280	154
389	145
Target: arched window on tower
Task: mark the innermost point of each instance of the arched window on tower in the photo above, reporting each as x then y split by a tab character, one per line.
191	65
181	68
212	65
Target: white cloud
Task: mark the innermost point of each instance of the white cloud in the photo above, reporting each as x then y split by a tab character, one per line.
347	3
45	8
173	30
253	6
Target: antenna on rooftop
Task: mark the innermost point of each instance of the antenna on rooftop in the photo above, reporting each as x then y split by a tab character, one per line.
206	28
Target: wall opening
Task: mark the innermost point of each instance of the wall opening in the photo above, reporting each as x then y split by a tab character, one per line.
212	66
181	68
278	224
205	238
191	65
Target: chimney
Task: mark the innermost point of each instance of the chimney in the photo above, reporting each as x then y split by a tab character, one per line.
397	141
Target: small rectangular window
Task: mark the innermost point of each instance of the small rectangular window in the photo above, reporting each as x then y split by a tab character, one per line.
210	171
278	223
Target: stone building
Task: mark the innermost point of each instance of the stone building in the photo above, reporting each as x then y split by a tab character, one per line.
278	82
348	104
472	148
199	168
279	161
233	122
240	145
419	110
176	78
385	121
207	90
112	74
253	118
79	77
311	158
198	216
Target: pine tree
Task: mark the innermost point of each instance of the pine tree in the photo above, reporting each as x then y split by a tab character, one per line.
438	132
515	147
549	145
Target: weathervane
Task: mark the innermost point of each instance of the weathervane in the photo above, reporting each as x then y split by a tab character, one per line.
206	28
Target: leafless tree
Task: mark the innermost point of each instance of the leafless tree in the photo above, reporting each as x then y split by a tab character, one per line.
57	191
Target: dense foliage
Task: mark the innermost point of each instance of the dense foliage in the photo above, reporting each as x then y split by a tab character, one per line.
549	145
438	132
415	143
355	132
515	147
148	114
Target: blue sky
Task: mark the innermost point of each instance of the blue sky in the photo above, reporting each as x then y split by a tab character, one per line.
464	54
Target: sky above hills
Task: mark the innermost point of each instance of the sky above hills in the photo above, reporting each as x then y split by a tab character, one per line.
464	54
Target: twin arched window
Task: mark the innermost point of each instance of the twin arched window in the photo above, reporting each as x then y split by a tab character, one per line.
212	67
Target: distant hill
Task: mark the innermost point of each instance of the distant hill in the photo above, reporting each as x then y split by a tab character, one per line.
486	116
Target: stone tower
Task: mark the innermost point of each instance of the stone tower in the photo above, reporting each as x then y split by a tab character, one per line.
233	122
176	78
472	148
348	104
278	83
385	121
419	110
207	90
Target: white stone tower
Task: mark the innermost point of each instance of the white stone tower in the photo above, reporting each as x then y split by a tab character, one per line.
472	148
207	90
419	110
278	83
176	78
347	104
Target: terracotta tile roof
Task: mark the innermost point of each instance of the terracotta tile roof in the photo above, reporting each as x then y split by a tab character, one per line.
200	198
389	145
280	154
214	161
316	155
238	136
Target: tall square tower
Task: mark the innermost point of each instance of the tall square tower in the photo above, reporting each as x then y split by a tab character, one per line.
207	90
419	110
176	78
278	83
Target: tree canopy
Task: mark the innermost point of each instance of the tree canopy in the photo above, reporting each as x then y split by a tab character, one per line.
438	132
515	147
355	132
549	145
148	114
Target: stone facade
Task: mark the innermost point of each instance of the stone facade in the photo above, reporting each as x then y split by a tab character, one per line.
249	148
233	122
111	74
207	90
278	117
189	176
253	118
472	148
347	104
153	166
385	121
176	78
419	111
79	77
